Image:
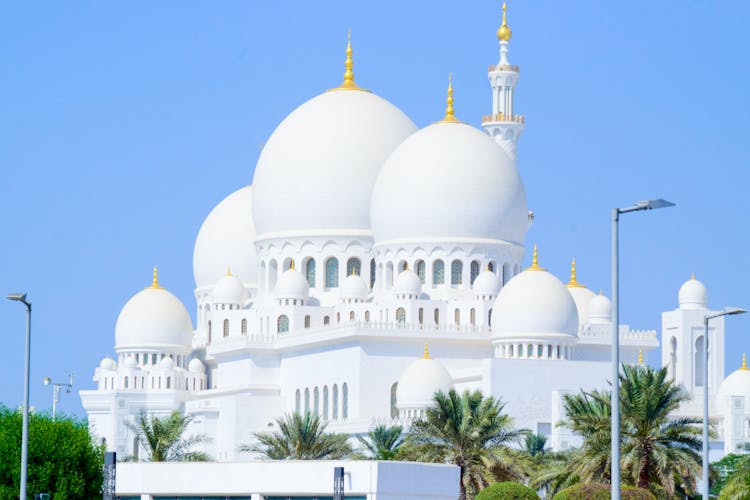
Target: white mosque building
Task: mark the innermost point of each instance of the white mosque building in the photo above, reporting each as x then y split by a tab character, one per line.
371	264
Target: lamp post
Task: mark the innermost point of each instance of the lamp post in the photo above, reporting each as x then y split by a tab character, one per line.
21	297
615	431
728	311
56	391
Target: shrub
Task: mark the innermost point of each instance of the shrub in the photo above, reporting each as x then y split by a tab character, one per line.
594	491
507	491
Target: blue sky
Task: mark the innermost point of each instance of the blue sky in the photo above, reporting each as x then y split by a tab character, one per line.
123	124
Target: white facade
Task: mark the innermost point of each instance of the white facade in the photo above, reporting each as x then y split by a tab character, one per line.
361	240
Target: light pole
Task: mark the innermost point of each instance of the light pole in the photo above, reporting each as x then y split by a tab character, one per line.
728	311
56	391
615	431
21	297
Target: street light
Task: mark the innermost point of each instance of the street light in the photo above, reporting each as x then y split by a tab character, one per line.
56	391
615	431
21	297
728	311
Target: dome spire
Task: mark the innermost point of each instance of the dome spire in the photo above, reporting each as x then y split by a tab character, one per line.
503	32
535	261
291	265
426	354
450	115
349	83
744	362
229	270
640	357
155	283
573	283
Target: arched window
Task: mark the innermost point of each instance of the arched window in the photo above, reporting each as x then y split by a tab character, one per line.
507	275
316	401
473	316
126	382
325	402
421	315
389	275
700	358
226	328
297	401
353	265
549	351
326	320
307	400
420	265
282	324
400	315
372	273
367	315
209	333
673	358
438	272
457	268
529	350
394	409
338	317
310	271
491	266
344	401
457	316
169	382
539	350
489	318
243	326
351	315
474	270
335	402
332	272
307	321
510	351
436	316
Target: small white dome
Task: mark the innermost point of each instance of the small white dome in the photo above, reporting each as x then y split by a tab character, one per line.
419	383
534	304
600	310
108	363
457	175
487	283
196	366
736	384
354	287
407	283
166	363
693	295
323	157
227	238
582	297
229	290
153	317
130	362
292	285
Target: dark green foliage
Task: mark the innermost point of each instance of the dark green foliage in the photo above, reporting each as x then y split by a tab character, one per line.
382	443
737	485
63	459
534	444
596	491
507	491
722	470
162	437
300	437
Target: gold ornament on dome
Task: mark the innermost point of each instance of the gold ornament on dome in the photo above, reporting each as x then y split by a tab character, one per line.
573	283
349	83
155	282
503	32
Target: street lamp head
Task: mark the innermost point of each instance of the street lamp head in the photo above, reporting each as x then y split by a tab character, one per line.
20	297
734	310
656	203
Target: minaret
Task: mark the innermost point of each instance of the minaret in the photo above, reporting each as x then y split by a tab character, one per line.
503	124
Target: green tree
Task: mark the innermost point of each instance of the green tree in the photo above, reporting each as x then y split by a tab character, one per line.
162	438
507	491
597	491
658	453
534	444
738	482
63	458
553	471
468	430
300	437
383	442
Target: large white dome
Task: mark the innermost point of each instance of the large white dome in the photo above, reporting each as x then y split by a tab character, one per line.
153	317
534	304
736	384
317	170
420	381
449	181
226	239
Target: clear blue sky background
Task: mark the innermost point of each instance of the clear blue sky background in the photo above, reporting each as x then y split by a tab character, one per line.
123	124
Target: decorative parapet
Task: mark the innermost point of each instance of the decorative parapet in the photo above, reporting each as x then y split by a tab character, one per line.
504	67
503	118
603	334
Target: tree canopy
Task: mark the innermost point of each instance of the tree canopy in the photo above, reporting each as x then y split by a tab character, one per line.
163	438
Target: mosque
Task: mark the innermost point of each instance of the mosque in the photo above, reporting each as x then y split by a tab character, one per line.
371	264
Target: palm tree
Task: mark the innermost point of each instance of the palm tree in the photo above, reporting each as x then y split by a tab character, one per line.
738	482
382	443
468	430
163	438
300	437
658	453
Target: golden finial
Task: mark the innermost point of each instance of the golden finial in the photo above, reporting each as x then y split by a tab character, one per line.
692	276
503	32
426	354
450	115
348	83
640	357
744	362
601	292
354	271
535	261
573	283
155	283
291	265
229	271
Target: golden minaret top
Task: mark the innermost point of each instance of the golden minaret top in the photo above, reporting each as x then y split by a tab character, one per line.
503	32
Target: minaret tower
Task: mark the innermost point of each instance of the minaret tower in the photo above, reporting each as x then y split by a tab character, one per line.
503	124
